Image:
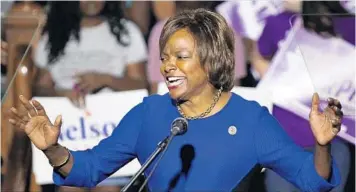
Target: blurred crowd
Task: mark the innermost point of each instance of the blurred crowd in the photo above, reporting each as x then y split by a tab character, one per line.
91	47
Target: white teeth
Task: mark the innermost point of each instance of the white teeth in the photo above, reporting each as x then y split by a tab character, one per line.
174	78
175	83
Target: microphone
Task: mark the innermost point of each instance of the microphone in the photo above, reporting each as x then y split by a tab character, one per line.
179	127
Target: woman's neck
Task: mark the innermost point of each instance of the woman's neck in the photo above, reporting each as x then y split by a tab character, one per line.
91	21
200	103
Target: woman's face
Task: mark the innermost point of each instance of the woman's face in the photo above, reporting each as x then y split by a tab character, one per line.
181	66
91	8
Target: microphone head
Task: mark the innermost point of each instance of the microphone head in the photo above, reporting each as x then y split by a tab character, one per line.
179	126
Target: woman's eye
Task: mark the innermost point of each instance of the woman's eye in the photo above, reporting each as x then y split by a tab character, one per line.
182	57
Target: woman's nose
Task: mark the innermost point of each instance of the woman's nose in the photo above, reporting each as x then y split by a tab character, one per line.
170	66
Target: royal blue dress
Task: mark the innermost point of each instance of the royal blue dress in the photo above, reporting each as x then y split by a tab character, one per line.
216	153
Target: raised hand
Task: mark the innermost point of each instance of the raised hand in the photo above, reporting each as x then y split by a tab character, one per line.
325	125
36	124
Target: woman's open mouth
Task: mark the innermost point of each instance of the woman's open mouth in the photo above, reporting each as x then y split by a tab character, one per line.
174	82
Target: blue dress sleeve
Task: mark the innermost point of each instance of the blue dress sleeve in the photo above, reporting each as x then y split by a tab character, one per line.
94	165
275	150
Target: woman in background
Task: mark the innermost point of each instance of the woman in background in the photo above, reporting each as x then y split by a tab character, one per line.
89	47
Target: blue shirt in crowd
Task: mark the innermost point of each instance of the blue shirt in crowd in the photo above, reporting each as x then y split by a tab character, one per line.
215	154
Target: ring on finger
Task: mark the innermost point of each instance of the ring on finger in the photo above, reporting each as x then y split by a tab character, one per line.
335	122
335	130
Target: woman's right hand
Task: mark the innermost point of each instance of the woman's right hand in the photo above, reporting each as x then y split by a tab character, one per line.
36	124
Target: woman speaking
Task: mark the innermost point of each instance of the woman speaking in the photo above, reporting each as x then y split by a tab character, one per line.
228	136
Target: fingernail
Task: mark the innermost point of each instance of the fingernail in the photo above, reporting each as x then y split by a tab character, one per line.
11	121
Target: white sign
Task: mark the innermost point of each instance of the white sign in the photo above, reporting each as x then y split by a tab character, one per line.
81	130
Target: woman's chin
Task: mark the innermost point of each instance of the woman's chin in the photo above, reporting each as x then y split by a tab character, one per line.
176	94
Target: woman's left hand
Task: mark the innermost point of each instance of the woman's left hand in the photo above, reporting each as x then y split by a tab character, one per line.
325	125
88	82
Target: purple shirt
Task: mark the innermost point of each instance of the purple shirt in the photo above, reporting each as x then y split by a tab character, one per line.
153	65
275	30
345	27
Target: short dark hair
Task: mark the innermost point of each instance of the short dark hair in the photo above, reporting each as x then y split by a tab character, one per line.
214	39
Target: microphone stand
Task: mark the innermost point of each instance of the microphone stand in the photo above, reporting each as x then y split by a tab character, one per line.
160	147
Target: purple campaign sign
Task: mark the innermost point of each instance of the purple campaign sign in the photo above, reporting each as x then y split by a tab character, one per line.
349	5
296	126
299	130
248	17
304	64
